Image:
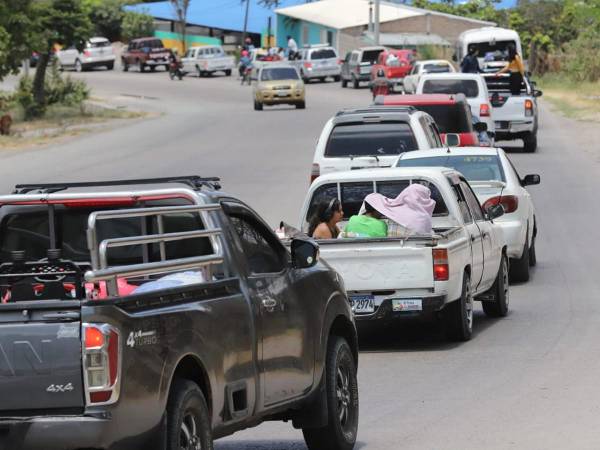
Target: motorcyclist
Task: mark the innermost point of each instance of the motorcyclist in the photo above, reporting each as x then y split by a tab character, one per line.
175	64
245	62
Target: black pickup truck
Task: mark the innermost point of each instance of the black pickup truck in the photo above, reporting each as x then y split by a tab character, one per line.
163	314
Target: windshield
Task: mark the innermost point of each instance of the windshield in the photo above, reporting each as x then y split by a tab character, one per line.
473	167
325	53
279	73
436	68
370	139
156	43
467	87
450	118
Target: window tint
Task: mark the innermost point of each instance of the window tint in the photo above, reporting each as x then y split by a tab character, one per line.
473	167
391	189
472	201
354	57
428	134
493	51
321	194
262	256
325	53
370	56
98	44
467	87
437	68
368	139
353	195
279	73
462	204
450	118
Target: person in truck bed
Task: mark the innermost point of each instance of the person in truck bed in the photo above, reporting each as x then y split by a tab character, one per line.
368	223
516	69
323	223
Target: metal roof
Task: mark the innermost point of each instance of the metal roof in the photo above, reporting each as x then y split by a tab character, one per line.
407	39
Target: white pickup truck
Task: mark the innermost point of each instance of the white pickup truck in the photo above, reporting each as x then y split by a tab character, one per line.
419	275
515	116
207	60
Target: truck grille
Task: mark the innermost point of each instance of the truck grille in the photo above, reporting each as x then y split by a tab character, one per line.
277	88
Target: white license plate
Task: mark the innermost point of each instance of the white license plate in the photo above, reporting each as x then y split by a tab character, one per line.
407	305
283	94
362	304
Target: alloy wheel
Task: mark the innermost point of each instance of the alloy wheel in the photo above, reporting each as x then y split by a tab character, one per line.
188	435
469	306
505	282
342	390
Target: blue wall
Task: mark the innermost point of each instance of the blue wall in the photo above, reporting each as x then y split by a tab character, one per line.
294	28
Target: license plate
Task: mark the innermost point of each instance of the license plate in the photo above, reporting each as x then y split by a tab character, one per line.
362	304
407	305
502	125
283	94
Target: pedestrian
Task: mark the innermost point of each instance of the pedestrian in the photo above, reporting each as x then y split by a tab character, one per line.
323	223
470	63
515	68
292	48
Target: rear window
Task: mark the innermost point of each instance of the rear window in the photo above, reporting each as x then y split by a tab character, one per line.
325	53
98	44
493	51
450	118
155	43
467	87
436	68
353	194
370	139
370	56
280	73
473	167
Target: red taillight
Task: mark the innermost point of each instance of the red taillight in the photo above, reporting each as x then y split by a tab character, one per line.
484	110
389	73
307	65
101	362
340	61
510	203
86	53
441	270
315	172
528	107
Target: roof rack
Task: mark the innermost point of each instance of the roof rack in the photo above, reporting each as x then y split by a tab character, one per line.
196	182
377	109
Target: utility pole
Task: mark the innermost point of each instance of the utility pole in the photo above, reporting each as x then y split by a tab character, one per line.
376	24
245	22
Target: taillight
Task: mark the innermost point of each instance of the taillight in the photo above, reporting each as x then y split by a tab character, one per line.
308	65
528	108
441	270
340	61
484	110
389	73
86	53
510	203
315	172
101	363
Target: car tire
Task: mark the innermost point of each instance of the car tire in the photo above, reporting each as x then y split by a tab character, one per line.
355	83
78	66
258	106
530	143
499	307
188	419
532	255
342	401
110	66
458	315
301	105
152	68
519	268
124	65
228	73
337	78
344	82
304	78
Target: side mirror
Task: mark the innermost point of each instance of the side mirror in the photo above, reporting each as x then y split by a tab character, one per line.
305	253
537	93
480	127
530	180
495	211
452	140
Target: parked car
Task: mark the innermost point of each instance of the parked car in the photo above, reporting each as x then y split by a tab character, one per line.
277	84
471	85
491	44
396	64
418	275
451	113
207	60
145	52
372	137
495	181
411	80
318	62
357	64
100	349
514	116
97	52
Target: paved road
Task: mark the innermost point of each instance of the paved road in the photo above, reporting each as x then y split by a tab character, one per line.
528	381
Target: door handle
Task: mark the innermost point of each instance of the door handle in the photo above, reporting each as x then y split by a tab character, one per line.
269	304
485	234
473	238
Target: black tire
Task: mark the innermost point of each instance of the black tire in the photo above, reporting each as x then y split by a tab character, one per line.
355	83
124	65
342	401
152	68
228	73
188	420
344	82
532	255
499	307
323	79
519	268
301	105
110	66
78	66
258	106
337	78
458	315
530	143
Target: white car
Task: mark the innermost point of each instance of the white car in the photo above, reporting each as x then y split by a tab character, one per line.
372	137
418	275
206	60
491	44
420	68
495	181
98	51
471	84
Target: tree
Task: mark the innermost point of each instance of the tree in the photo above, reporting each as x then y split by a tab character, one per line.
107	17
62	22
136	25
181	8
16	34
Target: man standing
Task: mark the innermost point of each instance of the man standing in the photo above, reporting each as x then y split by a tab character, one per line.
292	47
470	63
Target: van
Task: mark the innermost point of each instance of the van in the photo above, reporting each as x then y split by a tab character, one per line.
492	45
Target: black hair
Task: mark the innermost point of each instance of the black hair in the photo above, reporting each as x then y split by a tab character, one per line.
369	208
323	213
512	52
472	49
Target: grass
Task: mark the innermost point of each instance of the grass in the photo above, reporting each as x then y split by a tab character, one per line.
577	100
58	123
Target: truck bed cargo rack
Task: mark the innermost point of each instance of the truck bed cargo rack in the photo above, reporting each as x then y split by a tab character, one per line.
195	182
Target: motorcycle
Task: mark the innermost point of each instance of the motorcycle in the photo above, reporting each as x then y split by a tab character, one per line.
175	70
246	75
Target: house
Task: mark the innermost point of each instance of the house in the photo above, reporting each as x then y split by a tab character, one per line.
345	24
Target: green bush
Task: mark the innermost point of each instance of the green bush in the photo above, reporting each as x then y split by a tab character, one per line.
136	25
582	57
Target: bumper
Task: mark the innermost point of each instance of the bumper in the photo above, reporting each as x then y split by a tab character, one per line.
514	235
290	98
325	72
385	312
99	61
514	129
157	62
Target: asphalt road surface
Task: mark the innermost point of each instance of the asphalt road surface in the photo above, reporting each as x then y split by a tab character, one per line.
528	381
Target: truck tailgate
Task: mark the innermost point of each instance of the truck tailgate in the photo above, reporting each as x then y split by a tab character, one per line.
40	359
380	265
508	108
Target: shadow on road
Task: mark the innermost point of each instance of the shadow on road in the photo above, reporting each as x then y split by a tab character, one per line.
269	445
